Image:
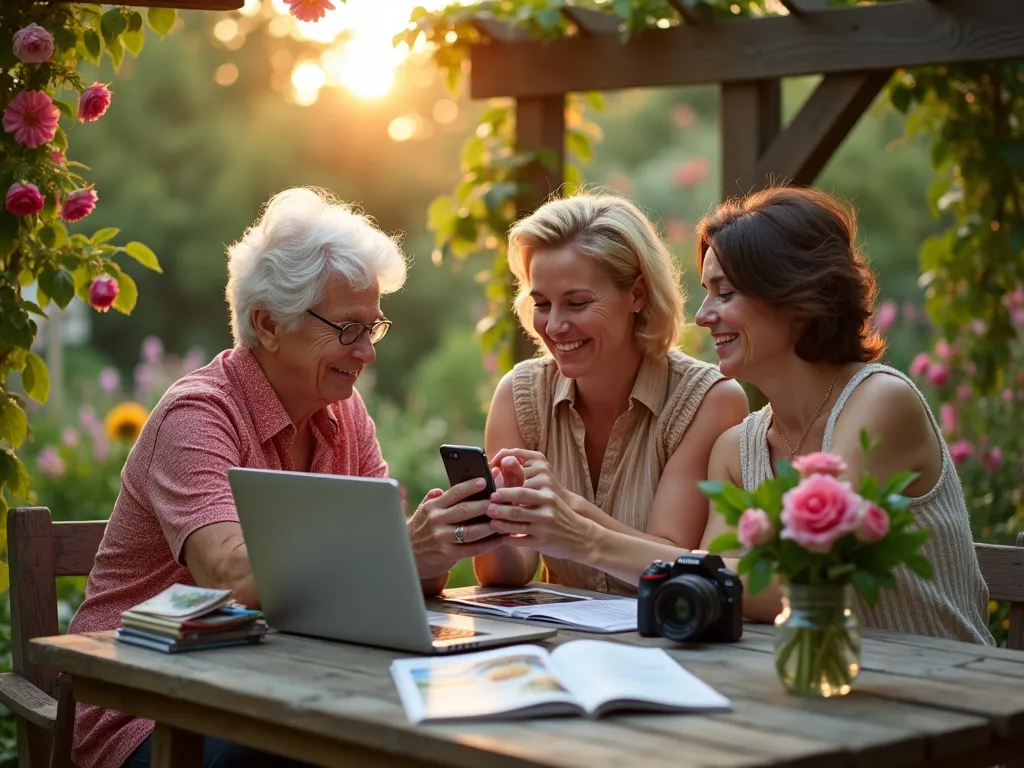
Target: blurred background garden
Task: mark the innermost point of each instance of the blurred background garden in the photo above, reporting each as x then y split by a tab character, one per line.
231	107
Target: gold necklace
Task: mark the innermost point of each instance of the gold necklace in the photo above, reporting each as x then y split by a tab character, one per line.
828	394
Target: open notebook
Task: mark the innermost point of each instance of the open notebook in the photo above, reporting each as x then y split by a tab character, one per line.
582	677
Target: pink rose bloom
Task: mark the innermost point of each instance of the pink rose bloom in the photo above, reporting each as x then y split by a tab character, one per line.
32	118
33	44
964	393
960	451
944	349
947	417
24	199
79	204
755	528
102	293
920	365
57	156
978	327
819	511
1008	396
992	459
819	464
885	317
309	10
50	463
937	375
93	102
872	525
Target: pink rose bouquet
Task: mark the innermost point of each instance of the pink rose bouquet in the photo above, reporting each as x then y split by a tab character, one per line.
823	537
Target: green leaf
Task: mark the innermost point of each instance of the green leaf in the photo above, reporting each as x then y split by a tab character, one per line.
135	22
127	294
59	285
580	145
14	474
112	24
760	577
143	255
836	572
48	236
13	423
92	45
116	52
727	542
35	378
161	20
865	583
65	109
786	475
101	236
134	40
920	565
898	483
64	38
31	306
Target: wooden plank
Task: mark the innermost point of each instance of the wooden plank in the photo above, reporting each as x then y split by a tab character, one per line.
75	545
1003	569
800	7
176	748
803	148
750	119
590	22
24	699
33	600
910	33
540	127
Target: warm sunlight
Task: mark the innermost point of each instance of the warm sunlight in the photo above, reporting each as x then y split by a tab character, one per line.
362	58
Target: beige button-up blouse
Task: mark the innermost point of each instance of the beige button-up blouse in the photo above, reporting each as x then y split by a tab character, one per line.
663	402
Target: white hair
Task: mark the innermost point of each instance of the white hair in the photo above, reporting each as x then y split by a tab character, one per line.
303	239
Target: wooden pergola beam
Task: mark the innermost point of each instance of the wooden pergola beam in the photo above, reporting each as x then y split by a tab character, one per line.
910	33
798	153
800	7
750	119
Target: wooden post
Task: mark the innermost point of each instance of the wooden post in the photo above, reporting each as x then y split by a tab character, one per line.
540	126
750	119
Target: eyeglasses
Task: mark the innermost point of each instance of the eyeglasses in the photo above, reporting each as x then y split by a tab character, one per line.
350	333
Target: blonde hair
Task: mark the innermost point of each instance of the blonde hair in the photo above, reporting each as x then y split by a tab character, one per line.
621	240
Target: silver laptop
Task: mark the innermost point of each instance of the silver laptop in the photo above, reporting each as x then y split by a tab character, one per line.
331	558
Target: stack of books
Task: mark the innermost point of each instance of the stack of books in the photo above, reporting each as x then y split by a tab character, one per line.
186	618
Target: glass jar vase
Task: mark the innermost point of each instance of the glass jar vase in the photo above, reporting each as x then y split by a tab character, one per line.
817	640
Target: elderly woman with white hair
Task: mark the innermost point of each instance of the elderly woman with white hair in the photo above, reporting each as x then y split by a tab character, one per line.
614	425
304	290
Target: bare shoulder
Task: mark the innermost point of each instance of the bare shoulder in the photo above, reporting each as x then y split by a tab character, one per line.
724	463
503	395
885	405
727	396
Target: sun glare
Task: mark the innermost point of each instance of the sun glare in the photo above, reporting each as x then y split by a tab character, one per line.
361	58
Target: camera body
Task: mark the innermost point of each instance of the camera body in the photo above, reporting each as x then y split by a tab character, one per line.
694	599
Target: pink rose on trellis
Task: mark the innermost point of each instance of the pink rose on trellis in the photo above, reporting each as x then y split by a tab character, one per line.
944	349
79	204
947	418
937	375
32	118
24	199
102	293
819	511
960	451
33	44
309	10
819	464
754	528
992	459
57	156
885	317
920	364
93	102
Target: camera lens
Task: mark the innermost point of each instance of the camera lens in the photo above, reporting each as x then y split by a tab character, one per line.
685	607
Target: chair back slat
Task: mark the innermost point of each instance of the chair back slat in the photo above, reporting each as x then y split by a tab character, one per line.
1003	570
75	545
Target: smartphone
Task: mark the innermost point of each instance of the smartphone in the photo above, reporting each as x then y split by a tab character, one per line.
466	462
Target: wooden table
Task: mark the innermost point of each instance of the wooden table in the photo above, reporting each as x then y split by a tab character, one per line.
918	701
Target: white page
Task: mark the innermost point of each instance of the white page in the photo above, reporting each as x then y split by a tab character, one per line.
598	671
612	615
478	684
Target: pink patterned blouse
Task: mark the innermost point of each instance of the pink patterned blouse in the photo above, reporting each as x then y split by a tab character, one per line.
175	482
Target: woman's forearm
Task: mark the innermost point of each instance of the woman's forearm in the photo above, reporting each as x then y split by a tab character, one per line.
505	567
584	508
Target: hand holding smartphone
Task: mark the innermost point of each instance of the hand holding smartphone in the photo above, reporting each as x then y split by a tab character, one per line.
465	462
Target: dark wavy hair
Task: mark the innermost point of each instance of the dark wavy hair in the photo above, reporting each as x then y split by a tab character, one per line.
795	248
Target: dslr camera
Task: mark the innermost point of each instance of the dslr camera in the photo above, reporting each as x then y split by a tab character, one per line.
695	599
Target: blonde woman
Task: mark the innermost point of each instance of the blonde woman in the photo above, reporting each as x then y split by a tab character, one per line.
613	426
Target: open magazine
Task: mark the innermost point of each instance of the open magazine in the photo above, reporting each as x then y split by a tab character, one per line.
579	612
583	677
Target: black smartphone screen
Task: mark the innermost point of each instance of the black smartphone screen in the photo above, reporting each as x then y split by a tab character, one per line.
466	462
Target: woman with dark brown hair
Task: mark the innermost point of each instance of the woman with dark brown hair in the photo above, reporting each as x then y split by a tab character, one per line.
789	304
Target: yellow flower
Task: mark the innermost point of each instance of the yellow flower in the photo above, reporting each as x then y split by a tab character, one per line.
993	606
124	421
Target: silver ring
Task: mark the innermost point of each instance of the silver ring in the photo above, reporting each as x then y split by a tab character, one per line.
458	534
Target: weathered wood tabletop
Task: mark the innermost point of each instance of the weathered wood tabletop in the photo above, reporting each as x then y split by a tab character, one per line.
918	701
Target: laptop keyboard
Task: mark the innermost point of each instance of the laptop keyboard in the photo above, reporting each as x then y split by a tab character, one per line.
450	633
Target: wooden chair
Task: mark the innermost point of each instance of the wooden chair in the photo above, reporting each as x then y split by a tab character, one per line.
1003	569
38	551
